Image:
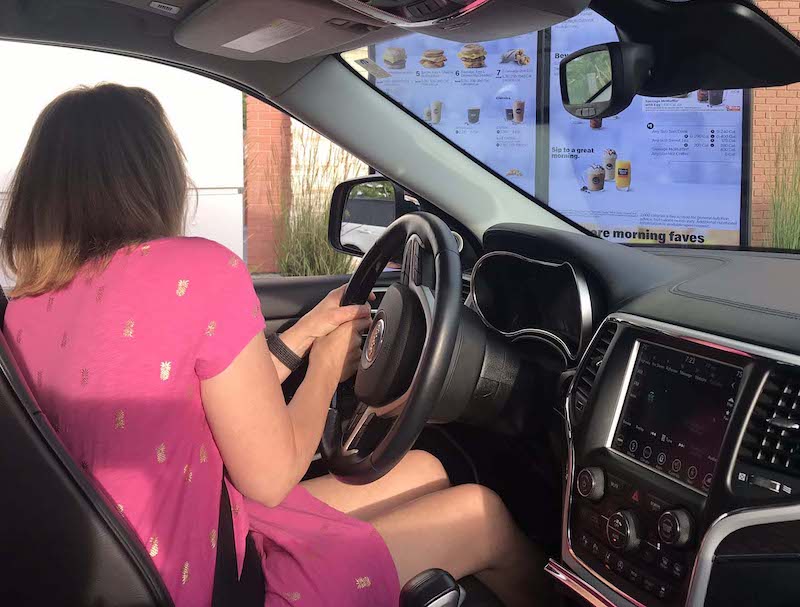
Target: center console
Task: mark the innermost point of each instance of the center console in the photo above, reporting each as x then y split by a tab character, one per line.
660	421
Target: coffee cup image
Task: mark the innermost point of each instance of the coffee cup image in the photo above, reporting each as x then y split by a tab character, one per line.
519	111
715	97
595	178
509	114
702	95
436	112
595	123
610	164
473	115
426	113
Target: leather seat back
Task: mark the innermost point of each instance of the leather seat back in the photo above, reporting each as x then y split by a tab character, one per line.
61	540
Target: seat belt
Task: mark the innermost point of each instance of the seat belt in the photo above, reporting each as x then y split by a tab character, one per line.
231	590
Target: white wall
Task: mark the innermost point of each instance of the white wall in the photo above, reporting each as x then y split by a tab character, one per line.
206	115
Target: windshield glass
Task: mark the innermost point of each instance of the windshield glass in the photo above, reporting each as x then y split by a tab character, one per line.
665	171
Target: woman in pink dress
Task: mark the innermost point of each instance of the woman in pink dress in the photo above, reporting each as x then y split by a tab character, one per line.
146	352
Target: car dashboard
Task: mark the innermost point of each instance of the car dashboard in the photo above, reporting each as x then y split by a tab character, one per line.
682	419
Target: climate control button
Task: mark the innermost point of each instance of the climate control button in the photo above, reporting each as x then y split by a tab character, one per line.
591	484
675	527
622	531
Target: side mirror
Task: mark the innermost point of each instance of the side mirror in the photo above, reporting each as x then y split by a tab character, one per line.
602	80
361	209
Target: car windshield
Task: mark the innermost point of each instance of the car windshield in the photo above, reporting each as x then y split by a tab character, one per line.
707	168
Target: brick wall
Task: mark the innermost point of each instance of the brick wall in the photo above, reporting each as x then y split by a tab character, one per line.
774	109
267	181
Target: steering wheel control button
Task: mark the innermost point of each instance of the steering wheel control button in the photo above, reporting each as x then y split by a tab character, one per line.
622	531
675	527
591	484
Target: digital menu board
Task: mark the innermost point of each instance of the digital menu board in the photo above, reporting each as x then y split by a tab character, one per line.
481	95
663	171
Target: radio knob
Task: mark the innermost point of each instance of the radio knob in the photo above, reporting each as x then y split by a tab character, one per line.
675	527
622	531
591	484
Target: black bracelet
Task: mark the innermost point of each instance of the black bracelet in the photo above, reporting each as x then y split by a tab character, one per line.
283	353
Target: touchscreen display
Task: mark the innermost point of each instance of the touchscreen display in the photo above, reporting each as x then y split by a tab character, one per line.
676	411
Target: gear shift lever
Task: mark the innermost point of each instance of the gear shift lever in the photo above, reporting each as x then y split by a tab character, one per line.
432	588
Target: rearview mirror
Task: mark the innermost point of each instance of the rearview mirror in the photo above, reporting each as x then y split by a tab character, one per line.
361	209
602	80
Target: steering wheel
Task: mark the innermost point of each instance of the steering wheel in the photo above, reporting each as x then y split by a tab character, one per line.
406	356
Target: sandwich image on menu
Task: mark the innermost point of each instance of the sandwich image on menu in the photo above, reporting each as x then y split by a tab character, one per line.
473	55
433	58
395	57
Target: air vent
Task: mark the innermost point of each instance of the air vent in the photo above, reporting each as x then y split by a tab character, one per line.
584	383
466	285
772	437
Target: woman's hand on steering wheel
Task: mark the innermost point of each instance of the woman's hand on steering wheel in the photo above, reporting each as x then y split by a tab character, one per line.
328	315
340	350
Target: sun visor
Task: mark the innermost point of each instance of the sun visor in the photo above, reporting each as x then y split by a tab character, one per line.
289	30
278	30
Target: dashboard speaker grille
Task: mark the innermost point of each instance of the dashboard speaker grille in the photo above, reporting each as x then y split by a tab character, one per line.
584	382
772	437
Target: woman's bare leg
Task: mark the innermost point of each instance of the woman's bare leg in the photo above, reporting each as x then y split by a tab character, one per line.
466	530
417	474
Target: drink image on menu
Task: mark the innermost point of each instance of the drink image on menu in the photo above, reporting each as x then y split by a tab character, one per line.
519	111
595	178
702	95
473	55
623	175
433	58
473	115
395	57
715	97
610	164
509	113
436	112
426	113
595	123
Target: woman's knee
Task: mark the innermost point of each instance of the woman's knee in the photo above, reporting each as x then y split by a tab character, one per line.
426	467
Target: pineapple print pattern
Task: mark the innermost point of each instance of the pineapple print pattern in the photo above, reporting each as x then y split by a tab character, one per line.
166	369
363	582
128	330
183	285
211	328
152	546
161	453
119	420
185	573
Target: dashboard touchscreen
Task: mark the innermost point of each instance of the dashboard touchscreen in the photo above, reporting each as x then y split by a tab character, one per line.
675	413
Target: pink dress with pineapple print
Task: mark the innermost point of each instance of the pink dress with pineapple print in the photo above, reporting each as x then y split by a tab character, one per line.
115	361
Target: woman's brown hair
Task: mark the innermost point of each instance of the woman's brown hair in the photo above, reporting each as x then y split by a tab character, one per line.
102	170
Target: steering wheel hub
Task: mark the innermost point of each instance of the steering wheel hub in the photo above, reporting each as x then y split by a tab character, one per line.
393	348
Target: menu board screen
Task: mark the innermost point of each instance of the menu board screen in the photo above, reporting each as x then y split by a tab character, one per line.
664	171
479	95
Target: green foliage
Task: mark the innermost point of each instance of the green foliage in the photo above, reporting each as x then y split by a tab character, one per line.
317	167
785	190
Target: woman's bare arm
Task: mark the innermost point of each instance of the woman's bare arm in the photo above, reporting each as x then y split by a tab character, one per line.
265	444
